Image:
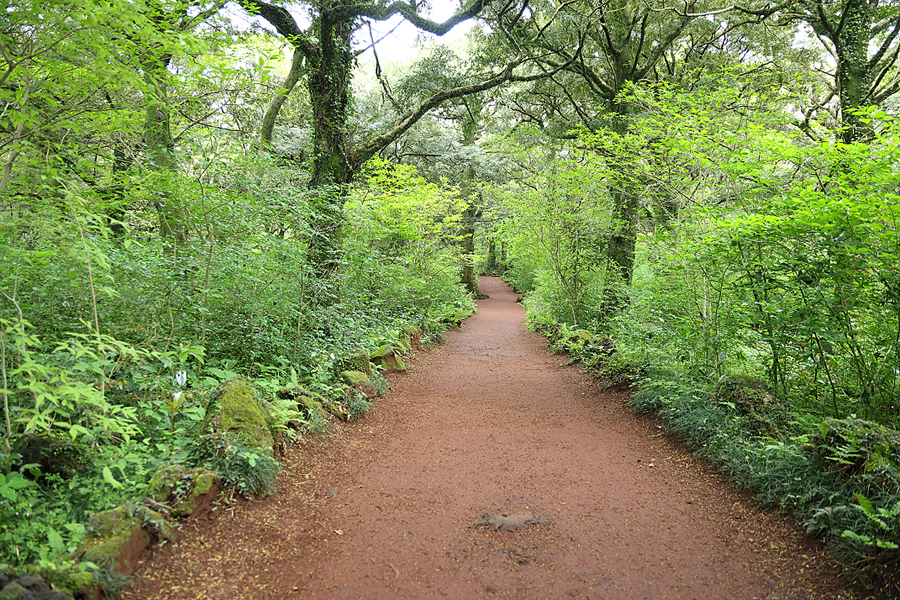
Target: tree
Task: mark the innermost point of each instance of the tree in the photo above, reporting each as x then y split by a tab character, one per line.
326	46
862	38
624	43
441	70
555	219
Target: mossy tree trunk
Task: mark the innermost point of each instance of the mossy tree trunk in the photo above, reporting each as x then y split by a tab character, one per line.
864	38
160	149
628	43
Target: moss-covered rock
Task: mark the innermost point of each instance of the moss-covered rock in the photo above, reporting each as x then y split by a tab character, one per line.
187	491
165	481
309	404
117	537
14	591
204	490
68	582
855	447
47	584
358	360
410	337
750	397
236	410
312	405
54	455
360	381
745	393
388	357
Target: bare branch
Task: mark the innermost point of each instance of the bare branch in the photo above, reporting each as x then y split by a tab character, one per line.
378	75
885	47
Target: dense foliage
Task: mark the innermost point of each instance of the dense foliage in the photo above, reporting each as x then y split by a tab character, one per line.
780	269
699	200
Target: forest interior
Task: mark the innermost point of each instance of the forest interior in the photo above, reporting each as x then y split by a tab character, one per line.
226	224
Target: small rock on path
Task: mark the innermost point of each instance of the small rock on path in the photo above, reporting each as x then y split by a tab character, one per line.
491	423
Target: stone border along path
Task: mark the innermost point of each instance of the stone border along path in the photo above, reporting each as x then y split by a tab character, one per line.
490	470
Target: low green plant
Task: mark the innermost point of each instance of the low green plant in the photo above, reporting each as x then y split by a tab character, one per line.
318	425
285	420
379	383
357	405
883	525
249	471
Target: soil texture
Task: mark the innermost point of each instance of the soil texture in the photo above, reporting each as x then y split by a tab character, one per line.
491	470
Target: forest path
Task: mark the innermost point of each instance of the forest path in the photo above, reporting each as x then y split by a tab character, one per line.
491	422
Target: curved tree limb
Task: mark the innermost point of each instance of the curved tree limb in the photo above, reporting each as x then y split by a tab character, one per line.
407	11
407	120
284	23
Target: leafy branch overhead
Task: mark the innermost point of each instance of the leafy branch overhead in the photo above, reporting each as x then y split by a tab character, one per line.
326	45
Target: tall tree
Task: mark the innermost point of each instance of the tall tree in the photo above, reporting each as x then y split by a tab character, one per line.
155	57
625	43
442	69
326	46
863	38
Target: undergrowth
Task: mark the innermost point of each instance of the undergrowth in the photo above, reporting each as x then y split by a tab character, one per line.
840	478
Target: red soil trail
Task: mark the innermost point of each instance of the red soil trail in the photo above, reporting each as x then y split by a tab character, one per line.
491	422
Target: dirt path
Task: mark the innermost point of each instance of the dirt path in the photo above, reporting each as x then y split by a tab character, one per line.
492	423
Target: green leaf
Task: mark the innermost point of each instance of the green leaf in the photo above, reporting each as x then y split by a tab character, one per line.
108	477
865	506
56	541
8	492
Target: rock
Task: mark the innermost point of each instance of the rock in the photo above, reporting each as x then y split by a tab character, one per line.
359	381
235	409
410	338
858	447
357	360
199	501
33	583
117	537
388	357
54	455
312	404
751	397
33	586
187	492
507	522
746	393
165	481
14	591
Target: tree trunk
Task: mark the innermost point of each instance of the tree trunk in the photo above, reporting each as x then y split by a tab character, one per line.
160	150
329	91
490	263
853	71
115	194
469	216
267	128
626	203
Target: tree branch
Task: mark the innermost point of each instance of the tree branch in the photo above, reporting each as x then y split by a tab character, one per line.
407	10
284	23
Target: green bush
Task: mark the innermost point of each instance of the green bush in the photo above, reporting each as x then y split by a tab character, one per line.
249	471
